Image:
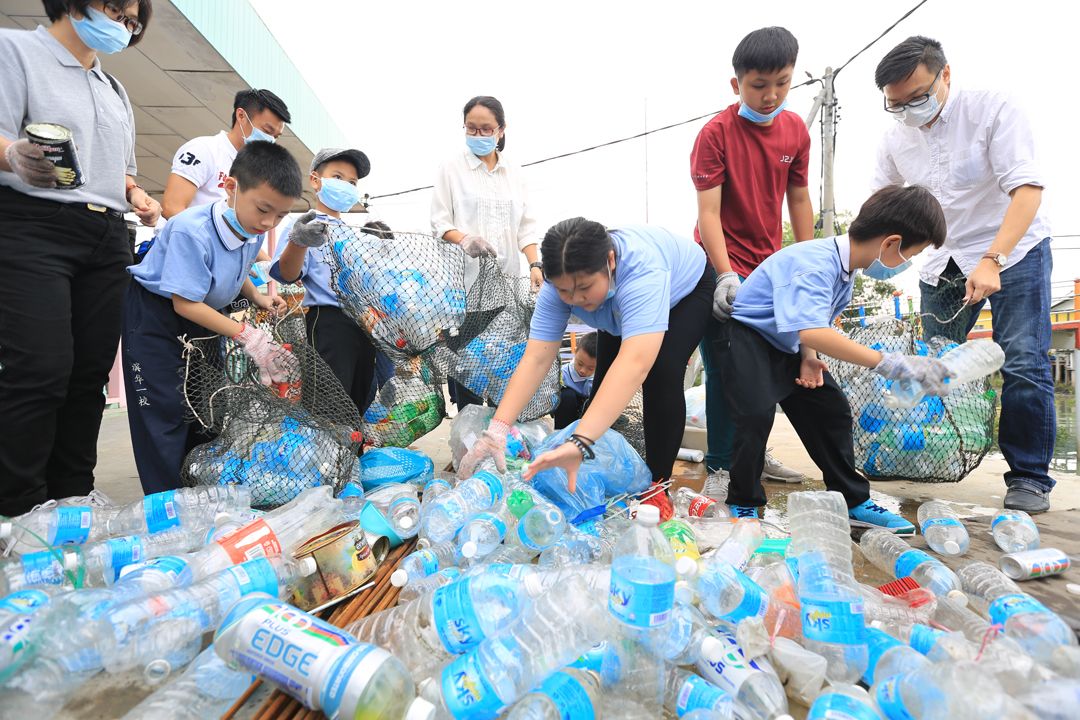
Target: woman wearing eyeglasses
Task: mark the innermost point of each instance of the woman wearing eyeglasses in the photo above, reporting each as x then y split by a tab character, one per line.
480	203
63	241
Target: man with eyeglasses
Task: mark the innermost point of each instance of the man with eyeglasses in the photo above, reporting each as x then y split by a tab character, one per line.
975	151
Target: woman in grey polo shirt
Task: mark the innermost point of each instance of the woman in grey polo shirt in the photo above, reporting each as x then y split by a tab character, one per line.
64	251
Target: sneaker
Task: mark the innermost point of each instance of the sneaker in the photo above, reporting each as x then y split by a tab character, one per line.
778	472
657	495
740	512
716	485
872	515
1027	497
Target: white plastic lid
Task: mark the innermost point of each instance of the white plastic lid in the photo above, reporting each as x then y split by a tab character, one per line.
468	549
221	517
307	566
647	515
712	650
399	578
686	566
957	596
420	709
952	547
405	522
71	561
5	530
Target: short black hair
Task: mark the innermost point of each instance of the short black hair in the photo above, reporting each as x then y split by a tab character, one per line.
56	9
379	229
766	50
905	58
911	212
496	109
587	344
264	162
575	245
255	101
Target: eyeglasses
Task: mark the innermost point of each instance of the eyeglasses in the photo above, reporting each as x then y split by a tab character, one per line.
482	132
115	11
915	102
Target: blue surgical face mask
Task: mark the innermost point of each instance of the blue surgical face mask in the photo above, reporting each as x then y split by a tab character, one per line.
100	32
481	146
753	115
233	222
338	195
920	114
880	271
256	135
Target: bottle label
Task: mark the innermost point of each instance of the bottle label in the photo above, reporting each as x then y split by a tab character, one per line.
923	638
466	691
946	521
160	511
455	618
494	485
342	672
176	568
255	576
25	602
429	562
124	551
351	489
697	693
908	561
251	541
500	526
732	669
571	700
640	603
834	706
889	700
1007	516
699	506
680	537
526	541
755	601
43	568
833	621
1008	605
72	525
14	636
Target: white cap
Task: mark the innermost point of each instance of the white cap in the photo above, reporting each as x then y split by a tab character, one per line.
958	597
221	517
307	566
420	709
952	547
686	566
647	515
399	578
5	530
712	649
1072	588
71	561
468	549
405	522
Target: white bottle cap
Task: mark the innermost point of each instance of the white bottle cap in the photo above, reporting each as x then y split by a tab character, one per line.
405	522
420	709
468	549
399	578
647	515
958	597
712	650
952	547
221	517
307	566
686	566
5	530
71	562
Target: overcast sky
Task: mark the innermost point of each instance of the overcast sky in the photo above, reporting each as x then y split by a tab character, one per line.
395	75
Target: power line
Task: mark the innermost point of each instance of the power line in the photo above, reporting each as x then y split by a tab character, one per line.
889	29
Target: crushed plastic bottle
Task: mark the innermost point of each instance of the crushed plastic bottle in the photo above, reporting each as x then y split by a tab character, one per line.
753	685
693	504
449	512
207	688
894	556
943	529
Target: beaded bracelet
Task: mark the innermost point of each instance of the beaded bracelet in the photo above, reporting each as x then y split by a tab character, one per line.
583	444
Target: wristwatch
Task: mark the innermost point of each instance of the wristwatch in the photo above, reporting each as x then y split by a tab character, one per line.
538	265
998	258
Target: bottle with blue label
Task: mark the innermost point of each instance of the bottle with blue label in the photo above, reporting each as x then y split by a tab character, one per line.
943	529
959	690
894	556
973	360
753	685
484	532
400	505
889	656
1014	531
181	508
725	592
687	691
318	664
843	702
425	562
832	618
570	694
642	591
48	527
448	513
538	529
19	626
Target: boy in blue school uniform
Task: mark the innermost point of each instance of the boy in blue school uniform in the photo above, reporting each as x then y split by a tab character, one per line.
577	382
196	266
783	316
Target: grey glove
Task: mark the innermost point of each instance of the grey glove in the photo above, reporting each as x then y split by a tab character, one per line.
474	246
27	160
930	373
723	299
309	232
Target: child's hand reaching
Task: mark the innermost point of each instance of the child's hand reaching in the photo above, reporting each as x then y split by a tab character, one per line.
811	373
275	304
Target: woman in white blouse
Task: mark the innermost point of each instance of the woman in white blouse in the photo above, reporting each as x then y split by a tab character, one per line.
480	203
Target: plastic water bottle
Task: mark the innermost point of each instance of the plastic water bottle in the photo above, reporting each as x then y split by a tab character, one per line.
429	584
425	562
505	667
894	556
915	606
537	530
1038	629
832	619
959	691
352	497
1014	531
757	692
400	505
57	525
18	620
745	538
819	522
484	532
687	691
973	360
843	701
1055	699
889	656
318	664
942	528
455	618
432	490
183	508
642	573
726	593
448	513
207	688
569	693
537	581
693	504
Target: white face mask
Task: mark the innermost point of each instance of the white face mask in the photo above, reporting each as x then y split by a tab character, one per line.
920	114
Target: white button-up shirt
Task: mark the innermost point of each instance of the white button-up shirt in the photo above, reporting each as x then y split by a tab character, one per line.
493	204
978	151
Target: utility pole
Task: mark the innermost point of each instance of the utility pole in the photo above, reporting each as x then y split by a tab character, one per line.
828	147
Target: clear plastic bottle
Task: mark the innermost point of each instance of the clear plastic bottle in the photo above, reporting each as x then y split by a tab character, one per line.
894	556
425	562
318	664
973	360
885	609
726	593
889	656
207	688
484	532
1014	531
173	509
448	513
536	582
399	503
1056	699
432	490
642	591
453	619
429	584
818	521
352	497
687	691
537	530
832	619
693	504
844	701
569	693
745	538
958	691
757	692
50	526
943	529
18	625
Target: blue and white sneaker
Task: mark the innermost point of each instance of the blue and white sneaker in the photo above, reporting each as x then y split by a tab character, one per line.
872	515
740	512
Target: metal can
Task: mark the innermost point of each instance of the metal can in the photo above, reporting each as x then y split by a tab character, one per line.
1032	564
58	143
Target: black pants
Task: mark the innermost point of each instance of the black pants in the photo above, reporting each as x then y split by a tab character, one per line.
570	407
462	396
62	282
756	376
345	348
663	402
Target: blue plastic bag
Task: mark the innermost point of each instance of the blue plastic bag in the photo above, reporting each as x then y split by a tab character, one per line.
395	465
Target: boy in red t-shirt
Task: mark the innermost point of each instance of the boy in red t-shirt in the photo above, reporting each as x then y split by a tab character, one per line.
745	160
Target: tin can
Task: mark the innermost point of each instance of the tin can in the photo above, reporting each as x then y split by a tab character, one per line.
1031	564
345	561
59	146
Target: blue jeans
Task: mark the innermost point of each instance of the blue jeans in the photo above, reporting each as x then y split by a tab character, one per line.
719	427
1022	328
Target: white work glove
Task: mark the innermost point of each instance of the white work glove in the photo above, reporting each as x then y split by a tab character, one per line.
309	232
276	364
492	444
474	246
930	373
27	160
723	299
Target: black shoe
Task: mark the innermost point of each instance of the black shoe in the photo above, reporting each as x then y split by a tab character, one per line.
1026	497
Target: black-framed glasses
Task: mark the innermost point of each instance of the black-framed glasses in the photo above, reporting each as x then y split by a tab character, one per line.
482	132
914	102
115	11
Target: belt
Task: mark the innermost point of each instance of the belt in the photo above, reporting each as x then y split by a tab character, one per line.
98	209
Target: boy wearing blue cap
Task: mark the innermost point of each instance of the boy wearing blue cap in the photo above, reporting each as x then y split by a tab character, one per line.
196	266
